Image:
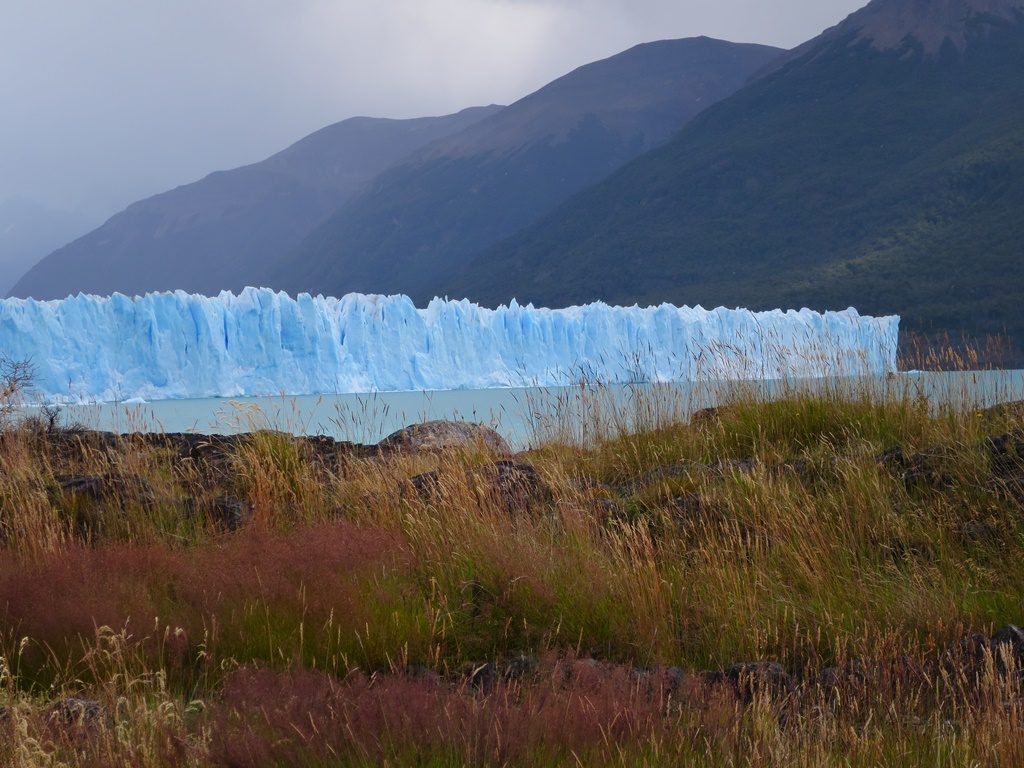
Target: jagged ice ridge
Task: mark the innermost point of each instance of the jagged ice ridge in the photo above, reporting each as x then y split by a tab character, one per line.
177	345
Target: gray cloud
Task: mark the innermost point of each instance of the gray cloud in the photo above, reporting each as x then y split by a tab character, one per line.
107	101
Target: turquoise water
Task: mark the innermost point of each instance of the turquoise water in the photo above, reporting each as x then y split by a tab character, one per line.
523	416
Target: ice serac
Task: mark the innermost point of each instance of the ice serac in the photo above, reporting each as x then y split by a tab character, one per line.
177	345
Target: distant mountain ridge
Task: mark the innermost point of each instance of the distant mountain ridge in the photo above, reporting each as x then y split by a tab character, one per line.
222	231
28	232
887	178
420	222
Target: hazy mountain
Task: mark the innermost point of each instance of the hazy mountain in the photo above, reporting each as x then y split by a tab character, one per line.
28	232
221	232
881	166
418	223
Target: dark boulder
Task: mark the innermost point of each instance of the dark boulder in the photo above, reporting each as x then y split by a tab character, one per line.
521	667
925	469
752	678
1008	644
708	416
75	713
422	674
482	677
92	501
1010	410
849	676
1006	453
110	486
229	512
518	487
189	446
425	486
714	677
513	486
674	679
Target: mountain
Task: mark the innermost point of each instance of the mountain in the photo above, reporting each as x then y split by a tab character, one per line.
28	231
422	220
221	232
881	165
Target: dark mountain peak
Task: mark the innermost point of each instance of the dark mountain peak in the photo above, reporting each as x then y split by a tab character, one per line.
663	74
916	25
890	24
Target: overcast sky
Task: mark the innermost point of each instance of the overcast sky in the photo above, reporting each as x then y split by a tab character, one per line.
107	101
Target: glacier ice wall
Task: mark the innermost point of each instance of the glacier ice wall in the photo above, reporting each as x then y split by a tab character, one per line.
176	345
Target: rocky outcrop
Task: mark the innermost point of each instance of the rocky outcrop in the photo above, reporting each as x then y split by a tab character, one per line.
445	436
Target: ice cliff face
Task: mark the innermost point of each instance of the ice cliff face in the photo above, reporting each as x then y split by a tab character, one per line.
176	345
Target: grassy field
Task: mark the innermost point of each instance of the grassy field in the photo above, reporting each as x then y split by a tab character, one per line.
822	579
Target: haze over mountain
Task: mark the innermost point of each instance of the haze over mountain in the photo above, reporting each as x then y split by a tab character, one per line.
221	232
881	165
422	220
28	232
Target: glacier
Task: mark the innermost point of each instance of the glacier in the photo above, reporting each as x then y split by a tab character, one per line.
259	342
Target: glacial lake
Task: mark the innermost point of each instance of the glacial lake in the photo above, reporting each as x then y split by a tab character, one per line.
522	416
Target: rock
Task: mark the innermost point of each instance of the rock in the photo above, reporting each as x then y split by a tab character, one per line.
894	459
829	678
606	509
733	467
968	659
514	486
1011	410
1006	458
482	677
318	449
669	471
924	469
230	512
65	444
753	677
91	500
227	513
422	674
687	507
708	415
1006	452
902	551
93	486
986	533
521	667
349	450
188	446
108	486
75	712
427	486
445	436
1008	640
674	679
832	679
713	677
803	469
519	487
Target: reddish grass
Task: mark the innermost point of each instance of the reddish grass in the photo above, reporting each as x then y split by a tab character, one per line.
312	575
571	709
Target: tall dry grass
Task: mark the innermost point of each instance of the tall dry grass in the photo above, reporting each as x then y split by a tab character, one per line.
336	625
